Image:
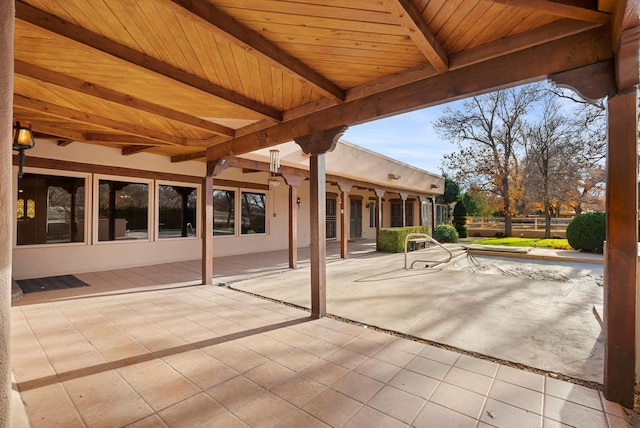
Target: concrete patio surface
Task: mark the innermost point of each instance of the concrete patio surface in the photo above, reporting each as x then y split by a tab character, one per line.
548	325
149	347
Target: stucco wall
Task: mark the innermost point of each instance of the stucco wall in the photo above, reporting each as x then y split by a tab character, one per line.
33	261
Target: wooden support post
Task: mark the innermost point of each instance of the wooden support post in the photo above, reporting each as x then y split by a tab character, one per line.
621	251
317	145
293	181
344	239
379	195
207	225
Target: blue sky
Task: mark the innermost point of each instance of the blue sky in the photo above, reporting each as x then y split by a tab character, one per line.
409	138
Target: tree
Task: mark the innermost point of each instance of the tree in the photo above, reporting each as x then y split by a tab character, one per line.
460	218
475	201
489	132
451	193
553	158
589	193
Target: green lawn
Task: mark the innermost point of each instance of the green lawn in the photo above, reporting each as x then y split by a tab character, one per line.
560	244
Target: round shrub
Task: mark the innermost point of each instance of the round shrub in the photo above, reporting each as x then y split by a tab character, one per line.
586	232
445	233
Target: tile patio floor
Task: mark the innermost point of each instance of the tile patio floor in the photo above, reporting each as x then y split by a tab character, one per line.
147	347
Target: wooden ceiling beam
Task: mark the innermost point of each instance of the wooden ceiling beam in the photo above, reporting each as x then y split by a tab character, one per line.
547	33
97	91
559	9
132	150
189	157
90	119
98	42
411	20
58	132
121	138
508	45
625	42
523	66
224	25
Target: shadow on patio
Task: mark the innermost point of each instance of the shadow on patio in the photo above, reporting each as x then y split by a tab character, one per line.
181	355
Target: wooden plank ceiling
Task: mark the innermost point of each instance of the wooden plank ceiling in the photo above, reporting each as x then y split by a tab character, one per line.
175	77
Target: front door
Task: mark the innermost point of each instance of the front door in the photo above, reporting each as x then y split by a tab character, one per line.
355	218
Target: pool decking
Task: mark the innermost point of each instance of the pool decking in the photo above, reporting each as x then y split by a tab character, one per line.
149	347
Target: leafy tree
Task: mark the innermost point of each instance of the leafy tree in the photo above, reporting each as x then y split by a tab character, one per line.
489	132
451	193
476	202
589	193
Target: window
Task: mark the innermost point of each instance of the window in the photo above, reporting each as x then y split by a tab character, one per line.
176	211
408	210
331	217
50	209
396	214
372	214
253	213
426	213
123	210
441	214
224	212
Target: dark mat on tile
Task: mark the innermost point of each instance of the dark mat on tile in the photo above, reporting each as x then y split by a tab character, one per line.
50	283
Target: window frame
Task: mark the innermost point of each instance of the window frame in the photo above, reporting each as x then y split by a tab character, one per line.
156	210
235	212
151	197
238	211
88	207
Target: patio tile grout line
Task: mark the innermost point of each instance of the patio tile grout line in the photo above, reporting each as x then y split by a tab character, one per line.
589	384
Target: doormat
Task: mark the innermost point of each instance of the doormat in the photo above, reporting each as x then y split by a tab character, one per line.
50	283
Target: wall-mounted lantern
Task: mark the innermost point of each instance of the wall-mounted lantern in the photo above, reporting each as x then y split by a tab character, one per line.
22	140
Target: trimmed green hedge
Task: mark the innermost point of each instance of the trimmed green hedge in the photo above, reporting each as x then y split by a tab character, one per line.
445	233
391	240
587	232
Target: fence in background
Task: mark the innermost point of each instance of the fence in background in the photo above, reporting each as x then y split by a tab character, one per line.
530	227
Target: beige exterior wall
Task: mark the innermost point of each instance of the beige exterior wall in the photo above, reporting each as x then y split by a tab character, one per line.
32	261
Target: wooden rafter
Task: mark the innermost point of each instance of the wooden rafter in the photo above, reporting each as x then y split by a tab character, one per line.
61	27
189	156
87	118
559	9
224	25
120	138
522	65
547	33
625	41
410	19
59	132
97	91
132	150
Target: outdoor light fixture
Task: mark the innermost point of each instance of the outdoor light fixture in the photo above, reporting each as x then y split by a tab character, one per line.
298	202
394	176
22	140
434	186
274	164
